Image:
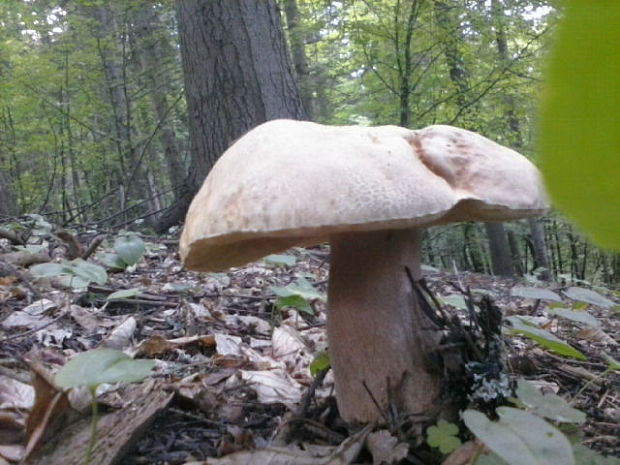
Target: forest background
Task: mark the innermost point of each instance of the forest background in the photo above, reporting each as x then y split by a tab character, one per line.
95	132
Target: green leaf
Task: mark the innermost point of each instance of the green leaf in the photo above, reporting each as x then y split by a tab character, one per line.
294	301
535	293
320	363
280	260
585	456
112	260
521	438
443	436
544	338
88	271
302	288
47	270
99	366
130	248
549	406
612	362
589	296
573	315
579	137
125	294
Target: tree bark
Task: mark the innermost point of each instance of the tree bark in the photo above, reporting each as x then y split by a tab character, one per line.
153	50
297	42
541	258
237	75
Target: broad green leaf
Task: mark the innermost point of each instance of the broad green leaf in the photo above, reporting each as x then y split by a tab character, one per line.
89	271
589	296
303	288
521	438
73	281
544	338
320	363
112	260
443	436
585	456
99	366
280	260
130	248
294	301
47	270
535	293
125	294
579	136
549	406
573	315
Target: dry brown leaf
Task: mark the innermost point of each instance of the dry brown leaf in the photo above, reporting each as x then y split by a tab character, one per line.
464	454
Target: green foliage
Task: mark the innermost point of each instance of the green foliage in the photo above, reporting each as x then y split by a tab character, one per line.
579	137
297	295
130	248
521	438
520	325
320	363
535	293
443	436
589	296
549	406
124	294
99	366
280	260
77	273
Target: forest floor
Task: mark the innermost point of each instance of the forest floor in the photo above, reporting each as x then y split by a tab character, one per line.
232	382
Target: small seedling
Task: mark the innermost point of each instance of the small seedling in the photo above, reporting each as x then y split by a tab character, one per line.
96	367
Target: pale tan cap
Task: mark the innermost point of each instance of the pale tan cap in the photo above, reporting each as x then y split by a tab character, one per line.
289	183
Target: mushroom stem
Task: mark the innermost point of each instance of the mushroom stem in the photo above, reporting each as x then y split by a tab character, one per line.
379	338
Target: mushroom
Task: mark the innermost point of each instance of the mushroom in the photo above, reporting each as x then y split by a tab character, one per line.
369	191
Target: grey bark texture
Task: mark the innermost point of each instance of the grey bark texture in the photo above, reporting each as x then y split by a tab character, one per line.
237	74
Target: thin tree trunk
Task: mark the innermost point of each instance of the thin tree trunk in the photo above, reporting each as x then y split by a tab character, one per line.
541	258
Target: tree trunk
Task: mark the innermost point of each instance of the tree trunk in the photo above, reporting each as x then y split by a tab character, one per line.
541	258
451	35
8	205
297	42
501	260
237	75
152	49
112	52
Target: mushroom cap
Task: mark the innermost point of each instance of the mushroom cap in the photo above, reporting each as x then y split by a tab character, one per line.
289	183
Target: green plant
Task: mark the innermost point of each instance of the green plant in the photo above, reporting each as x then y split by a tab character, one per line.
128	249
77	274
96	367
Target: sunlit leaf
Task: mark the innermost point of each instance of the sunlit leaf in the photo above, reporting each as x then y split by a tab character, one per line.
544	338
443	436
454	300
320	363
579	136
294	301
577	316
588	296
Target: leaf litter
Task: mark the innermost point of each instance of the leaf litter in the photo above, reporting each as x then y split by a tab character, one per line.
233	362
